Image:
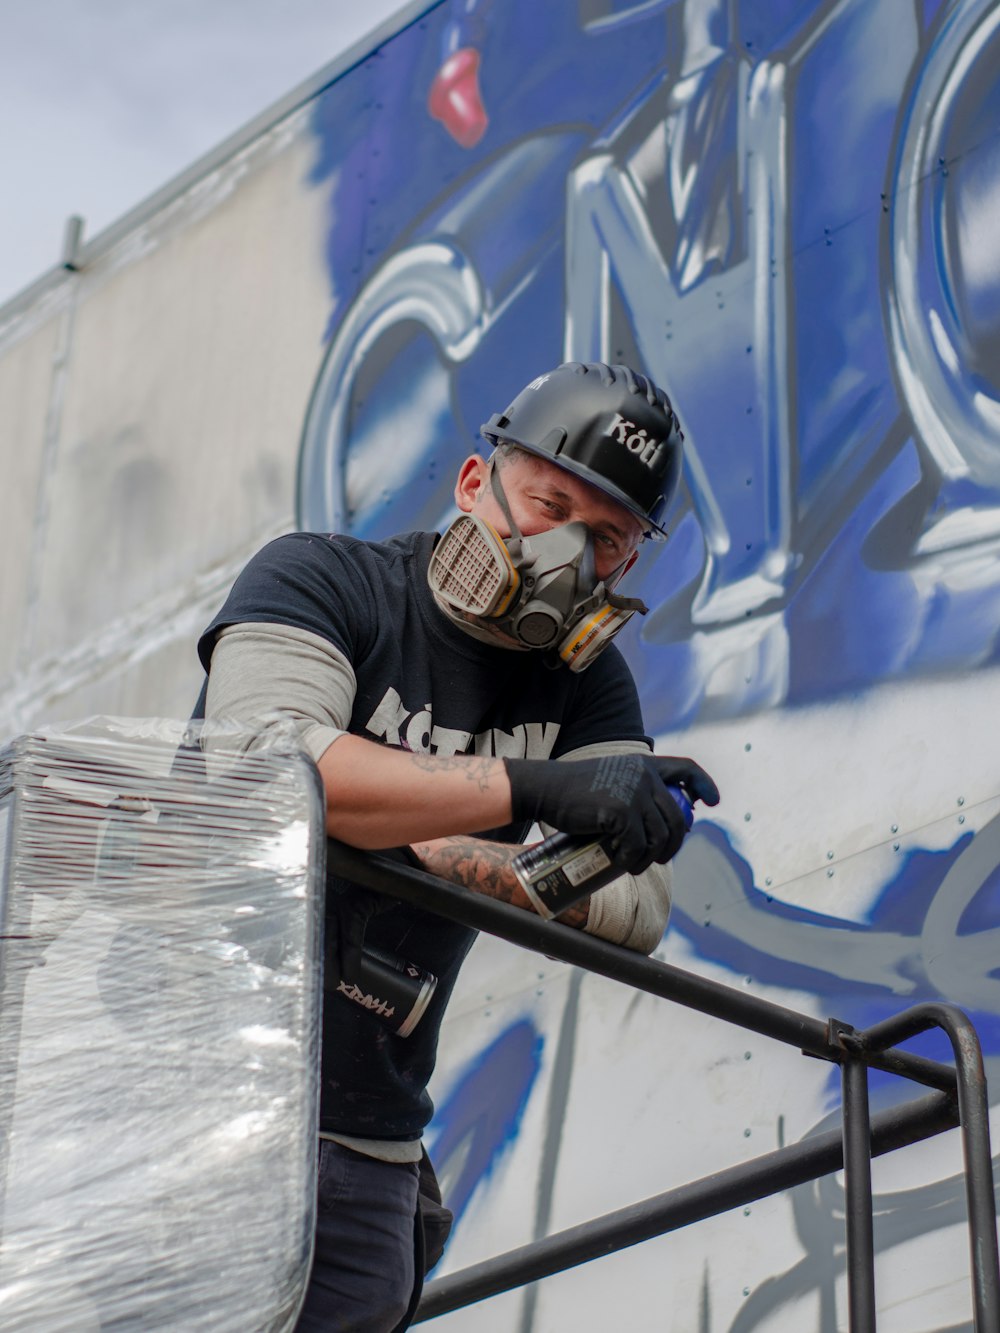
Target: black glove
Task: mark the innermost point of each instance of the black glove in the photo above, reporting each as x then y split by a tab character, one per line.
621	799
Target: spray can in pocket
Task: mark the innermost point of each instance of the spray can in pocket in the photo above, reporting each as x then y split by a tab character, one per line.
393	990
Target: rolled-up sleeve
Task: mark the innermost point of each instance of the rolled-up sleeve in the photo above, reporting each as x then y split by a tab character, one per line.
264	676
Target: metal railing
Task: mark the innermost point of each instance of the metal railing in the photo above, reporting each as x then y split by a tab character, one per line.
959	1099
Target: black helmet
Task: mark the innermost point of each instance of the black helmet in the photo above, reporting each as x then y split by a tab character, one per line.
608	425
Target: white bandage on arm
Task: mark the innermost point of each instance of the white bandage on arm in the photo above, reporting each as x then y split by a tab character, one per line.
266	676
633	909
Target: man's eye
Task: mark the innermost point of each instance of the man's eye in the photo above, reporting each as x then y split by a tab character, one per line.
607	542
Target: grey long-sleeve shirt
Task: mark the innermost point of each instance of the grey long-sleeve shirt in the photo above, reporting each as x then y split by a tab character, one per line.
253	664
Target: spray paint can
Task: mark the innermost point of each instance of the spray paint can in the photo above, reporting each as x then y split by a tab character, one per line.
564	868
394	990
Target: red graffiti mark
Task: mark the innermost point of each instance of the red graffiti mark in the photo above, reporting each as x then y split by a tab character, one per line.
455	98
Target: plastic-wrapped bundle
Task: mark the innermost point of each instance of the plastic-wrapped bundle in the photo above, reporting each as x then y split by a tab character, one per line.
159	1011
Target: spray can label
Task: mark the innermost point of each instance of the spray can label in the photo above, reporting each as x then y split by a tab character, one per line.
393	989
560	871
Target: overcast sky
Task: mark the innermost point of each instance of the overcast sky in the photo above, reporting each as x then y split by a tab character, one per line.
103	101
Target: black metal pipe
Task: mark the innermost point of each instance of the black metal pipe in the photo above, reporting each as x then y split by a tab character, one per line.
974	1112
611	960
736	1186
858	1197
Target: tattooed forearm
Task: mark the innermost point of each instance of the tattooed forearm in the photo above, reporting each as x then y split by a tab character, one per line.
478	770
484	867
481	866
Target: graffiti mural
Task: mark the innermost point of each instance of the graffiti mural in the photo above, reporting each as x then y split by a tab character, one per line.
784	212
805	198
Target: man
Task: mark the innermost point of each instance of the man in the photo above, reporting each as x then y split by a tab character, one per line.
435	680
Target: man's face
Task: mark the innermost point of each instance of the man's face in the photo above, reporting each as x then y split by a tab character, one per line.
543	496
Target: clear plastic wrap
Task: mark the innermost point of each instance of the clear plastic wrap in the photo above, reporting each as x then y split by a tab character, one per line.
160	923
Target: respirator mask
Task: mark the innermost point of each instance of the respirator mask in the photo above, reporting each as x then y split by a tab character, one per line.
539	592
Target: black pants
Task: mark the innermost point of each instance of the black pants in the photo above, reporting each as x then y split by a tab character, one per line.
379	1227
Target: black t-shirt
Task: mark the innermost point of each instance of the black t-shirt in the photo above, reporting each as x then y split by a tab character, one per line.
423	685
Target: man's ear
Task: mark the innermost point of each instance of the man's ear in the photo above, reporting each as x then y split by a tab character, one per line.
471	479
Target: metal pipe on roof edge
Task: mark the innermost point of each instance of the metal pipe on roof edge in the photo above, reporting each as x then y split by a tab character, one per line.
203	166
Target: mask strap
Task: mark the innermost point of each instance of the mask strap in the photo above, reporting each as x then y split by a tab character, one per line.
621	603
500	496
615	599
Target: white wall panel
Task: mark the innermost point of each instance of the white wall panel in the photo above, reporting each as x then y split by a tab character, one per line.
191	352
